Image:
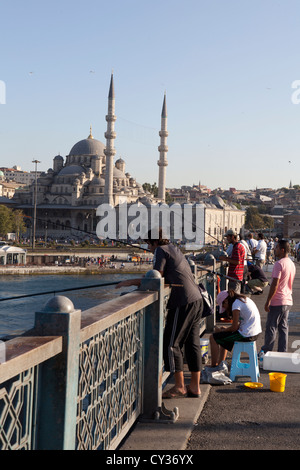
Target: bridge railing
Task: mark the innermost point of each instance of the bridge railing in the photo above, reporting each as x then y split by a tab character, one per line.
82	379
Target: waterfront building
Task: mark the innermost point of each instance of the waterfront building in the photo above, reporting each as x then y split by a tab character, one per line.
291	225
15	174
220	217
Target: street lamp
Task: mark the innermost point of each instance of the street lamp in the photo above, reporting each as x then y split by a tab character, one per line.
35	197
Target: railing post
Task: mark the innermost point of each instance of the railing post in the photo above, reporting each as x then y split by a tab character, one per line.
57	407
211	289
153	409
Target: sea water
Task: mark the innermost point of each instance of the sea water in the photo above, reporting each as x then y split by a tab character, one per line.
17	316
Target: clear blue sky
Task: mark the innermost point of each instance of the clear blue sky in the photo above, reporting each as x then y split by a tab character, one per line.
227	67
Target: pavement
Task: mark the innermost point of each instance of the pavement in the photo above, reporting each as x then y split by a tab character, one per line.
233	417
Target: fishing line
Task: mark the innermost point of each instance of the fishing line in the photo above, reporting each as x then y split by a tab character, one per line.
58	291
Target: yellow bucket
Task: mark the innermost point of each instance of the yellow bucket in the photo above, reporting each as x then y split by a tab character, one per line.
277	381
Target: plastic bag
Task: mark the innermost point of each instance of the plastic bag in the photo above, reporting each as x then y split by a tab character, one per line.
214	377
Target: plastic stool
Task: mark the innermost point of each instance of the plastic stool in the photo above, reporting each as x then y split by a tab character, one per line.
250	368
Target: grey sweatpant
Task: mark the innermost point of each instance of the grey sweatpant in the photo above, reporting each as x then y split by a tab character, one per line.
277	321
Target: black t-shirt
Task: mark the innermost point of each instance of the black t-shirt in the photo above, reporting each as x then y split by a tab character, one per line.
257	273
176	270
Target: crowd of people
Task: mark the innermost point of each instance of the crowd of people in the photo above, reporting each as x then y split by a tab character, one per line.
185	305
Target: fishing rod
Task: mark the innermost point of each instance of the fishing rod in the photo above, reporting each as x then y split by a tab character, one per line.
58	291
16	297
219	274
215	272
94	235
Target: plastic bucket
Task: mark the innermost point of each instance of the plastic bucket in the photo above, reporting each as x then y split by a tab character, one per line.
204	350
277	381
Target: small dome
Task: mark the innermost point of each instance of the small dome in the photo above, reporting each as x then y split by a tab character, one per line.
98	181
217	201
71	170
118	173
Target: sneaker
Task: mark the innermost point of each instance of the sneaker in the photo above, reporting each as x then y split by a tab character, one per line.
260	358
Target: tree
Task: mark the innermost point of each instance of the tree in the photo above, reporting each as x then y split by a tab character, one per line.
6	223
152	188
18	224
253	219
11	221
268	221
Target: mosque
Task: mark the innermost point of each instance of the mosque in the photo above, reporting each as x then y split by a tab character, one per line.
69	193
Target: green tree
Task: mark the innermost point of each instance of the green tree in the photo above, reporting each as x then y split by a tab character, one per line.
152	188
253	218
18	224
6	223
268	221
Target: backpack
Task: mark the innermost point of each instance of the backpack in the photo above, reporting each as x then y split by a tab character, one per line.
208	304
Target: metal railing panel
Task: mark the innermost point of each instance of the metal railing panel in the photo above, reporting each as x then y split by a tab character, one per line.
110	381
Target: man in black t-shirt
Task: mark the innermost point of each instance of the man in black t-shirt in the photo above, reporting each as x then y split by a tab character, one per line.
258	280
182	327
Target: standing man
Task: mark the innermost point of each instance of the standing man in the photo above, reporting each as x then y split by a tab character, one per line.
185	307
236	262
270	250
279	300
251	242
260	251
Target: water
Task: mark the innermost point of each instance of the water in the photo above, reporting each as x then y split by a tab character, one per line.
17	316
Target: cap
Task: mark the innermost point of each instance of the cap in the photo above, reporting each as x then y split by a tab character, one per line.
230	232
220	299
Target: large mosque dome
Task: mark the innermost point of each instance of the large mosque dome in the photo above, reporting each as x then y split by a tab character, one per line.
89	146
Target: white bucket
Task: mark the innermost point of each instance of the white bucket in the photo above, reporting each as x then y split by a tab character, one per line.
204	350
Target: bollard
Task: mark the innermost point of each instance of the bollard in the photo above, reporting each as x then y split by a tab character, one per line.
153	409
57	407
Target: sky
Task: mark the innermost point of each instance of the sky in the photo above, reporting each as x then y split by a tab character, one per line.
228	68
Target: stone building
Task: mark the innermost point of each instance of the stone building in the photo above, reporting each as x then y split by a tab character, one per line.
220	217
291	225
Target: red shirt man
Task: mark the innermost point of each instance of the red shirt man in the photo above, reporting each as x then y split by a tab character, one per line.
236	262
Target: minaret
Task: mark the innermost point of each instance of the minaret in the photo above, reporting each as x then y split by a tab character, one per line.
163	149
110	151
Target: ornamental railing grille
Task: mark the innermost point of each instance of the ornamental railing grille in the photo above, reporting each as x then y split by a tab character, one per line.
103	357
110	384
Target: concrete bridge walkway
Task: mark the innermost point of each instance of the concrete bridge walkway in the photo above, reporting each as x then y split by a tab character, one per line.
232	417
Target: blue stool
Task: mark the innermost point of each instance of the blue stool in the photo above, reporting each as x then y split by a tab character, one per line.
249	369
